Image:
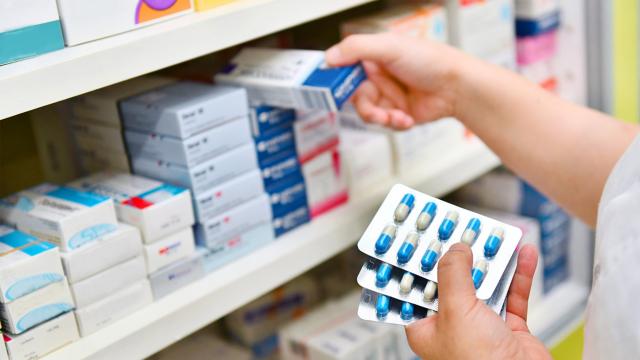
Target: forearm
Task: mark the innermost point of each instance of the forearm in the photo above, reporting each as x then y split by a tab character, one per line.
564	150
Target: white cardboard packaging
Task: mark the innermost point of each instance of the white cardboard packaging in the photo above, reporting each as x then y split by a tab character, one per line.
217	232
202	177
169	250
91	137
183	109
84	21
315	132
3	352
26	264
174	276
103	284
43	339
37	307
67	217
156	209
193	150
325	182
114	307
96	160
367	159
107	251
228	195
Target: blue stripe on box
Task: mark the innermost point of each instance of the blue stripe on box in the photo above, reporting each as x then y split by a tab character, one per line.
343	81
535	27
173	190
85	198
33	246
30	41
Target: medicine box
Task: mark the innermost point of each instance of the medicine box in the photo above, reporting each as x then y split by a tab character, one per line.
103	284
43	339
367	159
155	208
291	78
101	106
264	119
532	9
169	250
67	217
227	195
104	253
325	182
315	132
84	21
287	194
26	264
275	143
173	277
287	221
280	167
183	109
243	245
96	160
114	307
28	28
194	150
96	137
37	307
420	21
538	26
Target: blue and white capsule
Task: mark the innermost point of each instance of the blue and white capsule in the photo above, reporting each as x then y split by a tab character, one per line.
431	256
448	225
406	311
382	307
426	216
404	208
478	273
406	283
430	290
472	231
385	239
408	247
383	275
494	241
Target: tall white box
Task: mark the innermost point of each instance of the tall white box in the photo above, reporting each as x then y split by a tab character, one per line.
172	248
325	182
43	339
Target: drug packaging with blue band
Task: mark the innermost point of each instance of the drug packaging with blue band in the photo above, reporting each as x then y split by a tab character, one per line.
538	26
275	143
291	219
291	78
183	109
43	339
265	119
173	277
191	151
288	194
68	217
227	195
280	167
170	249
155	208
26	264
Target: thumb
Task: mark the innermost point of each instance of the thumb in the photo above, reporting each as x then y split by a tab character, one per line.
421	336
455	287
379	48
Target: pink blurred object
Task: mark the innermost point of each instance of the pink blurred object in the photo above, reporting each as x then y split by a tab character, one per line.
533	49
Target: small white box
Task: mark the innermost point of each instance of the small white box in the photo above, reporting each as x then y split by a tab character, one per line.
114	307
101	106
325	181
67	217
26	264
533	9
84	21
102	254
103	284
193	150
218	232
184	109
228	195
202	177
96	160
37	307
174	276
242	245
315	133
91	137
367	159
291	78
43	339
169	250
155	208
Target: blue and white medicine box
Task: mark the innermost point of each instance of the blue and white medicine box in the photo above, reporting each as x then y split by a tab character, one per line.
291	78
67	217
537	26
227	195
290	220
287	195
275	143
28	28
280	167
183	109
264	119
26	264
171	278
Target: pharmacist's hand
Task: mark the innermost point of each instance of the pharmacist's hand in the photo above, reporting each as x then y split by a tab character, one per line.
465	328
409	80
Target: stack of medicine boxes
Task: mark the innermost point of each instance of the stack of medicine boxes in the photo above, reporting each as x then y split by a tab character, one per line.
36	303
197	136
163	215
95	125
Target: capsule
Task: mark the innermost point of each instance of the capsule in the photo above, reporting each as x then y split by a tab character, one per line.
430	291
472	231
383	275
382	307
385	239
493	243
406	311
406	283
448	225
408	247
478	272
426	216
431	312
404	208
431	256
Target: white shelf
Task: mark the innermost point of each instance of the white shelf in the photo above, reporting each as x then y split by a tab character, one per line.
80	69
200	303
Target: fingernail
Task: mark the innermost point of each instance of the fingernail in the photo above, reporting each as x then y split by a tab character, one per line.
333	54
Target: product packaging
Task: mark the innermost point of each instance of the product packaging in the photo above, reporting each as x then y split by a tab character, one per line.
238	247
170	249
172	277
43	339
